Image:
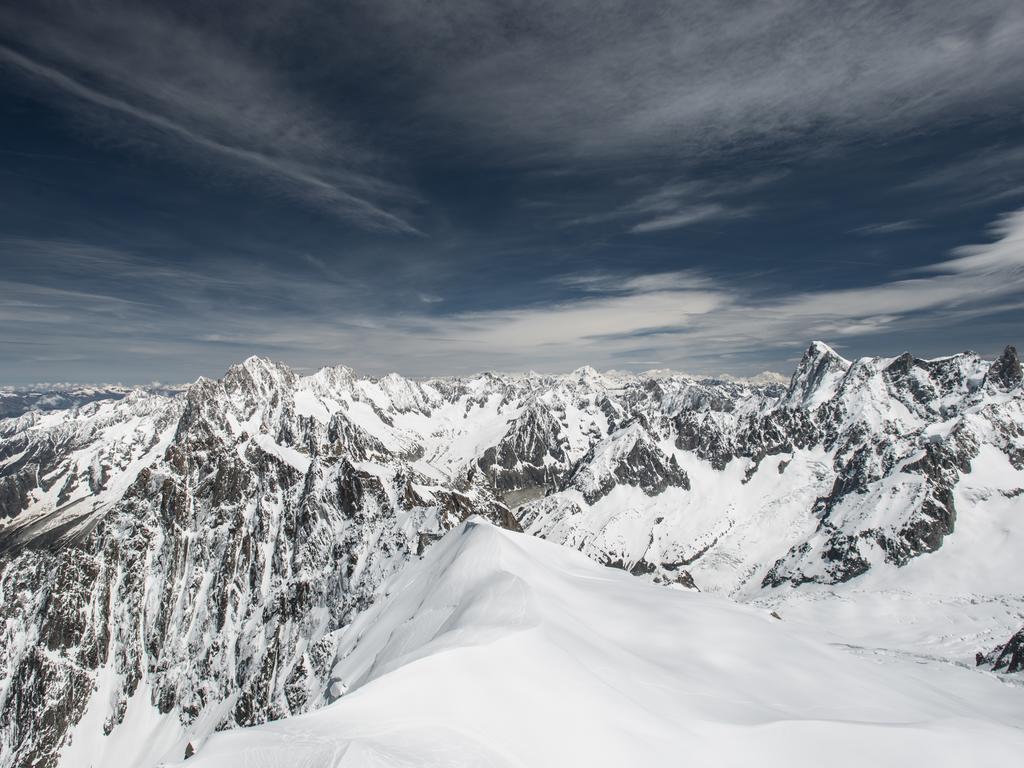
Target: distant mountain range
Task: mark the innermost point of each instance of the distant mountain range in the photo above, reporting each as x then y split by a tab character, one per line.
178	562
15	401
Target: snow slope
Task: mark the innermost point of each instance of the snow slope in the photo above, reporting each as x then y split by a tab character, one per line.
498	649
966	596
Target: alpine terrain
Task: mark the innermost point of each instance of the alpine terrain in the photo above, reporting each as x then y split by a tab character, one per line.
830	561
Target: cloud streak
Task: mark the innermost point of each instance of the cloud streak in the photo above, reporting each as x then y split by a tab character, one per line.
888	227
148	73
984	176
687	216
683	203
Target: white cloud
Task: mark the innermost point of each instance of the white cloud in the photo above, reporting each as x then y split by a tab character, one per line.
684	317
1002	259
584	322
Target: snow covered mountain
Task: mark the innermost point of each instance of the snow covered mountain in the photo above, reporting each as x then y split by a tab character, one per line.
855	465
172	564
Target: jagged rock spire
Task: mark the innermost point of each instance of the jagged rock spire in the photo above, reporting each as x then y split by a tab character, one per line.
1005	373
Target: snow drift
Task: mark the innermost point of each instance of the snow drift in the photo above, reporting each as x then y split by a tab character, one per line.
497	649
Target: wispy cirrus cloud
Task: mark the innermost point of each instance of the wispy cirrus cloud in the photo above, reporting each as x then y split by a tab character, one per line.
143	77
688	215
887	227
691	320
683	203
687	319
993	174
599	79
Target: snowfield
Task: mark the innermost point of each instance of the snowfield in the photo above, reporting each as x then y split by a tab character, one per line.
499	649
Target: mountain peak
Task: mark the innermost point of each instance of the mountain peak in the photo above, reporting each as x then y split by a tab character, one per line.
818	348
816	377
258	368
1005	373
255	381
585	372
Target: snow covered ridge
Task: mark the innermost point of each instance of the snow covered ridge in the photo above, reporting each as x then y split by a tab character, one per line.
14	401
174	564
501	650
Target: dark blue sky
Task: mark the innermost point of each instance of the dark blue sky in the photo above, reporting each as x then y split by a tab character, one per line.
449	187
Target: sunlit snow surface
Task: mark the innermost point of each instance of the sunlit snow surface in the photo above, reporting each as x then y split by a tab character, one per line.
498	649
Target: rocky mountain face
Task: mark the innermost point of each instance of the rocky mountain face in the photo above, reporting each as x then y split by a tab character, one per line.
185	563
198	555
1008	656
854	465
